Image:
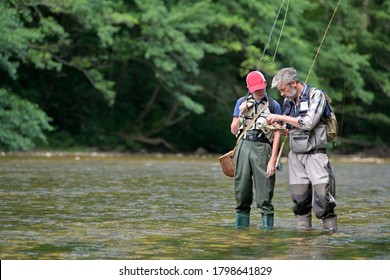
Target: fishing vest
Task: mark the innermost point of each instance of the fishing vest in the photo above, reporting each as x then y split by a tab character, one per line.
305	141
303	106
247	117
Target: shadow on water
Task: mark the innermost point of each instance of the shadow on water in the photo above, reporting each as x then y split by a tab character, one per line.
128	207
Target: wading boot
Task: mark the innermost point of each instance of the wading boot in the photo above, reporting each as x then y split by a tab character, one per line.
268	221
242	219
304	221
330	223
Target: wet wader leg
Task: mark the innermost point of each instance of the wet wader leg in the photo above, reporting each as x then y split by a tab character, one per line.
332	180
301	190
242	219
324	190
323	202
302	198
304	221
264	185
330	223
267	220
243	185
323	205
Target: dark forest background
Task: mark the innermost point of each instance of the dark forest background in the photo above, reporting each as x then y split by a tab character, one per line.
131	76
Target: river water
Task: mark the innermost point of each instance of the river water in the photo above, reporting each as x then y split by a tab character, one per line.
155	207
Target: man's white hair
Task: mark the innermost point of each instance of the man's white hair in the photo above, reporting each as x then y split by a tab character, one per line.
286	75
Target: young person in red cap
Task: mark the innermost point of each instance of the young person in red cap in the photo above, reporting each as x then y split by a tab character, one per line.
256	153
312	181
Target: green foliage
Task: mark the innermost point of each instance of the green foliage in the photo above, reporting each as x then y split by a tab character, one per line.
170	39
14	39
21	123
132	74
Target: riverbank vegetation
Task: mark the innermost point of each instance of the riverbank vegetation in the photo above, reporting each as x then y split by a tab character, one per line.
148	76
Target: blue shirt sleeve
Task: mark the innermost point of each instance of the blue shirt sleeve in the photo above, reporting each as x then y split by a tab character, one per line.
236	112
278	109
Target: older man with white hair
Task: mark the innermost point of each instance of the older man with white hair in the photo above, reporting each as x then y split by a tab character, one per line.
312	181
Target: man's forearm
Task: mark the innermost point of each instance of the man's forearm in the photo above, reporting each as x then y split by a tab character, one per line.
235	126
271	119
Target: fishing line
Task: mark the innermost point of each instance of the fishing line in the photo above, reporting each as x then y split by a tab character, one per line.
270	35
280	35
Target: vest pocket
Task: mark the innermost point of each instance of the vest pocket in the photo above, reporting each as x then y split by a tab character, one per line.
300	143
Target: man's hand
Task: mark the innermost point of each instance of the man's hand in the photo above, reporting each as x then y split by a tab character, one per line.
244	107
273	119
271	167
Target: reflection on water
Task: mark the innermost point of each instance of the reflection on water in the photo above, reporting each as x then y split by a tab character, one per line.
128	207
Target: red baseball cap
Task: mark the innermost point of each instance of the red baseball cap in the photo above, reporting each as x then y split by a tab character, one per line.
255	80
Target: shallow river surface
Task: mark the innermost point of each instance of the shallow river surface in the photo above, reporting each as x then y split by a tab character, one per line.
175	207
